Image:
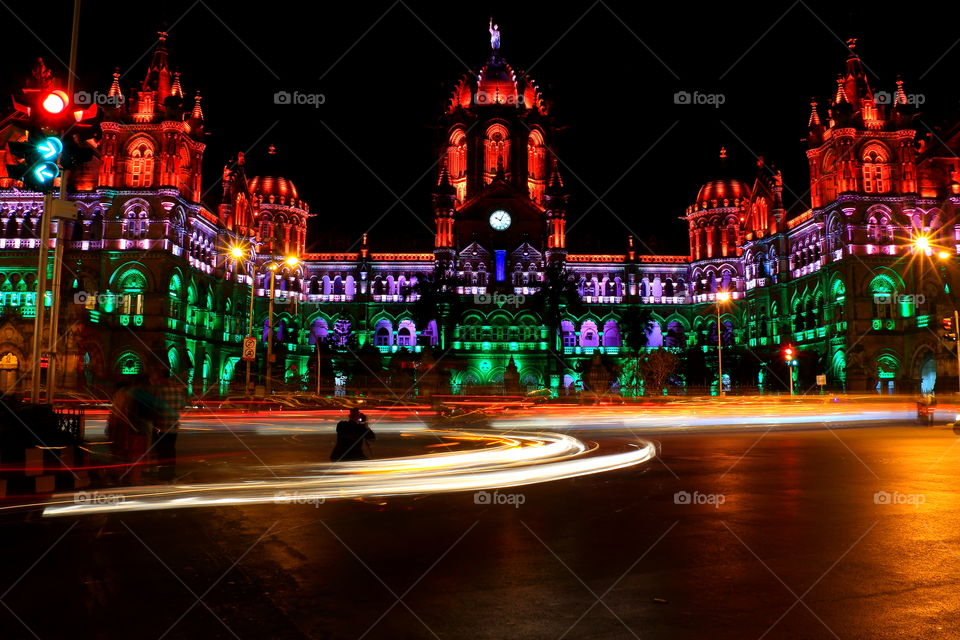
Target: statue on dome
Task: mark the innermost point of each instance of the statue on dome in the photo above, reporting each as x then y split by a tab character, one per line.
494	36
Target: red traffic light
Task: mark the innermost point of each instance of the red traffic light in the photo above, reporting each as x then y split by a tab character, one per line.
55	102
788	353
947	324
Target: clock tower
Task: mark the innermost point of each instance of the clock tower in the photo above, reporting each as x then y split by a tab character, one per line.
498	192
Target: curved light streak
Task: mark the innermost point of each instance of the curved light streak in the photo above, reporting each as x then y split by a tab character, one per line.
508	460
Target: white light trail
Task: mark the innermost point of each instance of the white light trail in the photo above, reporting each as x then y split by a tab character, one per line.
509	460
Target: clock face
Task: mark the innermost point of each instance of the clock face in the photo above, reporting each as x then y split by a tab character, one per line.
500	220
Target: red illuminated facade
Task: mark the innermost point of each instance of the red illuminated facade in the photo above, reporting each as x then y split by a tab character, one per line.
841	281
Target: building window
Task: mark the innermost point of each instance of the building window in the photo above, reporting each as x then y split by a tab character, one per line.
140	164
876	171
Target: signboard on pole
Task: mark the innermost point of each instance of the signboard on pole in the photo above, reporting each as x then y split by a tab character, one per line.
822	380
249	348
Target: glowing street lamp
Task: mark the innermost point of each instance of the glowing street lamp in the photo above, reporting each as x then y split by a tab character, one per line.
241	253
722	296
944	255
922	243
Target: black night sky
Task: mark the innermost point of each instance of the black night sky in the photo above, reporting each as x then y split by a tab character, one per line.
611	68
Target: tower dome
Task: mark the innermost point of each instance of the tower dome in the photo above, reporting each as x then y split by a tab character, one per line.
726	192
497	83
273	188
281	215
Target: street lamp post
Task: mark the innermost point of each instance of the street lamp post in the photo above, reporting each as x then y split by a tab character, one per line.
291	261
239	254
269	367
923	245
722	296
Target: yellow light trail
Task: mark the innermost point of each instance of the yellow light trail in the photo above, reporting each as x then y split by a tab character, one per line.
514	459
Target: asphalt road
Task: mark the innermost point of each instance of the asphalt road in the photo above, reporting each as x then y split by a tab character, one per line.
790	539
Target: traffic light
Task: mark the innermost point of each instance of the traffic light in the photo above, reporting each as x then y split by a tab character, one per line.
789	355
56	135
949	331
38	154
45	116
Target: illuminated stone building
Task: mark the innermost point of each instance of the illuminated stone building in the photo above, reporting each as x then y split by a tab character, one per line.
843	281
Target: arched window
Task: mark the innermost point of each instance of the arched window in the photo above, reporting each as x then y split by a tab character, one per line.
588	334
405	336
129	363
135	226
383	336
131	287
140	163
611	334
884	291
318	331
536	166
457	162
568	334
876	171
496	151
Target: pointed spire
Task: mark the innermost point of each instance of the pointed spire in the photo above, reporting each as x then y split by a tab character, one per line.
158	73
197	110
901	96
556	181
841	92
176	89
444	186
115	91
814	120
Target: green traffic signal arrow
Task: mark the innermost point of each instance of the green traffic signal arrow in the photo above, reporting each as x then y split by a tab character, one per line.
49	148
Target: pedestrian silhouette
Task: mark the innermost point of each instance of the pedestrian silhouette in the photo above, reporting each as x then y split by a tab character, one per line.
352	434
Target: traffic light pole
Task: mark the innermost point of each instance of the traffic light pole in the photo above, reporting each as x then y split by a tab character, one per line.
269	367
35	369
719	355
250	323
58	247
54	342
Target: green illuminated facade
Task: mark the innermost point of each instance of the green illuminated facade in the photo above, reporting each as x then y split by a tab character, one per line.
499	303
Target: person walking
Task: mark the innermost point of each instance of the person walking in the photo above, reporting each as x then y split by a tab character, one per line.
352	434
169	397
130	427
